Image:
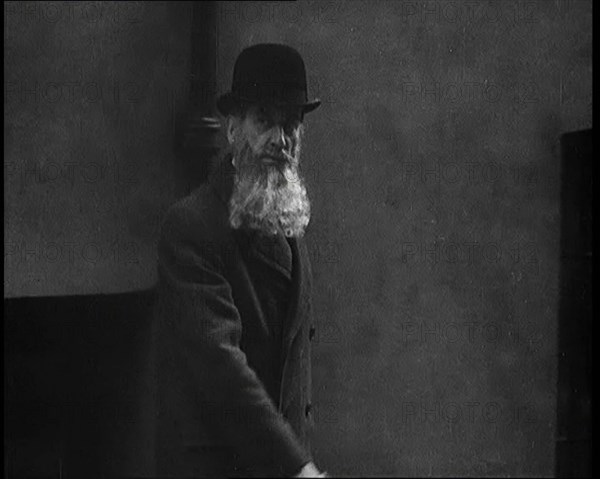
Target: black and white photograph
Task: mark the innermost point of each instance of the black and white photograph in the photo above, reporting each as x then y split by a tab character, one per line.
303	238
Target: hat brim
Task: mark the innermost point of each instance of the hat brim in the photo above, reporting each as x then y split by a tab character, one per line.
227	102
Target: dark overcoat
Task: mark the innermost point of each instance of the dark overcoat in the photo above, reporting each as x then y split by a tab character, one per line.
234	331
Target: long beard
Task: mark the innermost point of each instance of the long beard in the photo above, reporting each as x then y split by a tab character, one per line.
266	197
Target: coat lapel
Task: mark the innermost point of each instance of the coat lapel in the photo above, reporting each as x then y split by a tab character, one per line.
297	314
299	292
271	254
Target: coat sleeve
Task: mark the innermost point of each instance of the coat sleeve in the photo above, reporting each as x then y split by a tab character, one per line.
207	326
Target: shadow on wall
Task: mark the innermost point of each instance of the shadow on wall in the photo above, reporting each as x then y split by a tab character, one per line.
77	385
574	398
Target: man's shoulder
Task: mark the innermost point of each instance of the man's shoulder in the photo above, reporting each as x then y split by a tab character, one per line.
201	214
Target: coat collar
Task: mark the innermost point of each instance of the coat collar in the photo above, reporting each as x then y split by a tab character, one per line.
222	177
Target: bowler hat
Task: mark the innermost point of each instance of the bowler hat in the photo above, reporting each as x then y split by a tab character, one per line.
270	73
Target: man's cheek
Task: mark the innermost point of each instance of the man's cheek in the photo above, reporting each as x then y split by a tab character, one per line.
259	146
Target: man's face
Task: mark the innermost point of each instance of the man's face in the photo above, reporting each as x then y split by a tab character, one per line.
269	194
272	133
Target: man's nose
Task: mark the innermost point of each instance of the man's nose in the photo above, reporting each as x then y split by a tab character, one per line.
278	138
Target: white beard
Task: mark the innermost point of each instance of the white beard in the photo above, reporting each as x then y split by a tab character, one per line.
268	198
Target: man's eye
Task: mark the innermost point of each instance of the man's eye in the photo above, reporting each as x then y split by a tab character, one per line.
291	127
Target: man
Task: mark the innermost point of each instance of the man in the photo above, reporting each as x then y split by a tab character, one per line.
235	317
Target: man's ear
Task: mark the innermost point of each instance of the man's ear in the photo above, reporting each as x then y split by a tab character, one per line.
232	125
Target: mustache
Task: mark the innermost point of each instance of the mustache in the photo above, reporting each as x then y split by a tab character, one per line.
282	158
268	161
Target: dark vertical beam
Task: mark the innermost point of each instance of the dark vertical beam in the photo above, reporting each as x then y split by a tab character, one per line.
197	141
204	56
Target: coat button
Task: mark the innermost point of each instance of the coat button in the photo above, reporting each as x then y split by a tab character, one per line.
311	333
307	409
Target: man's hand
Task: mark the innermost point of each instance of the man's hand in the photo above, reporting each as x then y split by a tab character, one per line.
310	470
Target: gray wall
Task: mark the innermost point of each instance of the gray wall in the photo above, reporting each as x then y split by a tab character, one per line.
92	91
434	166
434	171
